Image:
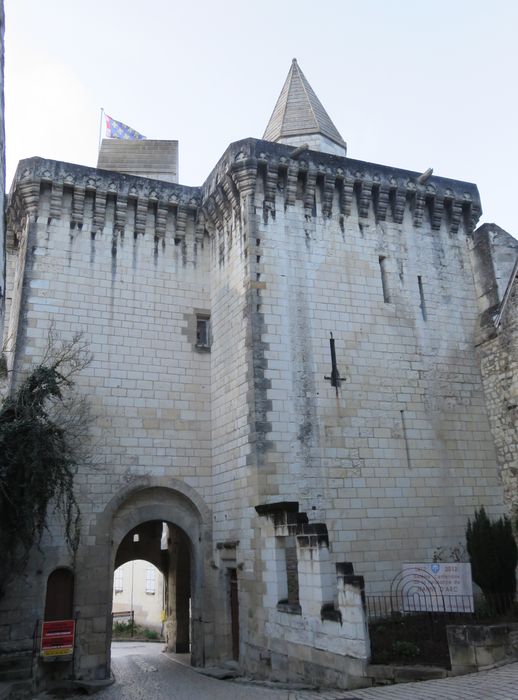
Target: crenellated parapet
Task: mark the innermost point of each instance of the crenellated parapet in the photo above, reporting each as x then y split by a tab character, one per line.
334	186
88	196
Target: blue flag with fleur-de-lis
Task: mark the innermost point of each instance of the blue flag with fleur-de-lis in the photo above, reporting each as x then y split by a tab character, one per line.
118	130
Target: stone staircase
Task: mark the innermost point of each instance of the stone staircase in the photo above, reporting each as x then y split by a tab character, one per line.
15	666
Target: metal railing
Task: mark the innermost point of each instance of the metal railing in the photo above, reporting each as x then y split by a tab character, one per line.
452	606
127	616
387	606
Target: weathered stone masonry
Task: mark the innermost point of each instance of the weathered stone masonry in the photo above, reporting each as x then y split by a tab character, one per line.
496	262
305	493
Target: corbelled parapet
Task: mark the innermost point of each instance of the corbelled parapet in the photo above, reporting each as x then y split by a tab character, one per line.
130	196
252	166
247	168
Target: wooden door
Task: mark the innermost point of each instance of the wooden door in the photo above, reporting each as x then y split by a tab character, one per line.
59	602
234	613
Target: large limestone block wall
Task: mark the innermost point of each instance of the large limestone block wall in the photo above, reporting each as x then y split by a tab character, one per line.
493	257
238	394
132	289
396	460
280	252
499	364
123	261
495	263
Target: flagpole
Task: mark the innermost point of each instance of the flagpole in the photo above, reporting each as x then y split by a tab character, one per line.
101	127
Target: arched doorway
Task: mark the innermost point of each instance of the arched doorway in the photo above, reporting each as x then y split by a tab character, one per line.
167	547
188	556
145	500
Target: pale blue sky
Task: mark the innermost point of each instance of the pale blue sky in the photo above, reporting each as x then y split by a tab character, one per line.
408	83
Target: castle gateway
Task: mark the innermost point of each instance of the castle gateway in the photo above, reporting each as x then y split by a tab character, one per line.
285	381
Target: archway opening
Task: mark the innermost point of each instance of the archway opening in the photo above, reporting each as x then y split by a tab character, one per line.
138	601
165	547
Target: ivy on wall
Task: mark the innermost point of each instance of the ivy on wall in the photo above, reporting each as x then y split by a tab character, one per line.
43	433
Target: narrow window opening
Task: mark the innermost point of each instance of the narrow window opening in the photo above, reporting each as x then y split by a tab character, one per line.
384	279
150	580
288	577
421	297
118	580
292	574
203	331
405	438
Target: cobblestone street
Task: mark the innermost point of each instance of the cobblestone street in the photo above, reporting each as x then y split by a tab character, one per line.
143	672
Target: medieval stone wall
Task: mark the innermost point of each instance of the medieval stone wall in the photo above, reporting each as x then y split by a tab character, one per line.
121	260
132	288
499	364
278	252
233	491
397	461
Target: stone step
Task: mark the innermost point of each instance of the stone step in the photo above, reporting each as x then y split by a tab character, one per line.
386	674
19	690
15	665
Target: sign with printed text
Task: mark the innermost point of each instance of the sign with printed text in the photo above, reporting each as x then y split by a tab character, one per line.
437	586
57	638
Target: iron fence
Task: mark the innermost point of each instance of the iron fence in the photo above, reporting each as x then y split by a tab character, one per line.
404	628
125	617
452	607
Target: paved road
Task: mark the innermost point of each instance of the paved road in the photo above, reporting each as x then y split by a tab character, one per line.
498	684
143	672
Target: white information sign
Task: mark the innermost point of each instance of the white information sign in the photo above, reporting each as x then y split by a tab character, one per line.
437	587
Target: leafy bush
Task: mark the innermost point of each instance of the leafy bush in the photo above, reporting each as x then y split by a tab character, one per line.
121	628
408	650
135	631
493	555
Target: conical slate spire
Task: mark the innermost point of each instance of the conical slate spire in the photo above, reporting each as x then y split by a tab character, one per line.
299	114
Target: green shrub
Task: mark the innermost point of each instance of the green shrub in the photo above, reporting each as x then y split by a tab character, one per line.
122	627
493	555
150	634
407	650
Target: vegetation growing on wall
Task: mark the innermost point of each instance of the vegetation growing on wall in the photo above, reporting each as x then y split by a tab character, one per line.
43	426
493	555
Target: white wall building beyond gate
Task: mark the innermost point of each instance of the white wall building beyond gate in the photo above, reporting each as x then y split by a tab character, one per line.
139	586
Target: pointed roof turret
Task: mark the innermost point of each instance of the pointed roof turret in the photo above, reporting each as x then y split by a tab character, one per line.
299	117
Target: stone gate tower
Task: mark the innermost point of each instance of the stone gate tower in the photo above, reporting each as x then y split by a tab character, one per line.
288	477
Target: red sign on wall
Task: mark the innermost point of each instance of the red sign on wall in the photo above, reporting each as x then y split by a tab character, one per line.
57	637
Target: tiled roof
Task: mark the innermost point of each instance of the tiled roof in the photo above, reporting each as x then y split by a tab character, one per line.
299	111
